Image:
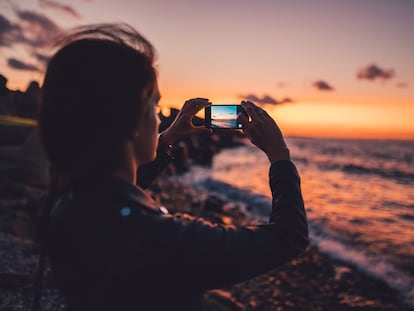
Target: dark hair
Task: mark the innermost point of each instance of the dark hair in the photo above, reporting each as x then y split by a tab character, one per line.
94	94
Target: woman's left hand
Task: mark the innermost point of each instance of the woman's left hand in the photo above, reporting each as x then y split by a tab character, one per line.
183	127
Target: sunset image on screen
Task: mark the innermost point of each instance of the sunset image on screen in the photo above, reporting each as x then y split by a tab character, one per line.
224	116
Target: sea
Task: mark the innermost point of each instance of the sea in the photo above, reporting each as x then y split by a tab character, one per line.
224	123
359	199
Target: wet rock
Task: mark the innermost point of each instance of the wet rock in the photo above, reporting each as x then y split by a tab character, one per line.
220	300
214	203
342	273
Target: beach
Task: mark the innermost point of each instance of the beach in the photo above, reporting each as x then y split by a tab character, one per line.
313	281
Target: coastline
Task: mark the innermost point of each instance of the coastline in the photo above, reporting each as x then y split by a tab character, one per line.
313	281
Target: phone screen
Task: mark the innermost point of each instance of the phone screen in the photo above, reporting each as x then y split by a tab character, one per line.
223	116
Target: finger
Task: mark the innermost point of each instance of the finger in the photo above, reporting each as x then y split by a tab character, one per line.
196	104
250	109
266	114
200	104
196	100
198	107
260	113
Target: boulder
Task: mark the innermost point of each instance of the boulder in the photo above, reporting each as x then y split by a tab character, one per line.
25	163
220	300
214	203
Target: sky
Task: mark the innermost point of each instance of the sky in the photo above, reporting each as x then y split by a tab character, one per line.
223	112
320	68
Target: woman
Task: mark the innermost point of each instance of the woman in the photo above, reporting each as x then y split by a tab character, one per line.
111	246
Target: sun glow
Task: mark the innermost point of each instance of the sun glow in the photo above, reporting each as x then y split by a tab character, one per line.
313	60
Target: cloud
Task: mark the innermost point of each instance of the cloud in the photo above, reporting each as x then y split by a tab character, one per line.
19	65
372	72
9	32
266	99
322	85
40	57
38	28
281	84
30	30
59	7
287	100
402	85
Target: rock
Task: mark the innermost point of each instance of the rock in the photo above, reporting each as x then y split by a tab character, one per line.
226	220
214	203
180	154
342	273
3	84
27	104
13	280
25	163
220	300
21	226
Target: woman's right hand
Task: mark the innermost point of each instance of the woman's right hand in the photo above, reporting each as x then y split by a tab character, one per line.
263	131
182	126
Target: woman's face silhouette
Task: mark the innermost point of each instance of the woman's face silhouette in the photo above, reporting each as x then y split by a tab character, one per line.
146	139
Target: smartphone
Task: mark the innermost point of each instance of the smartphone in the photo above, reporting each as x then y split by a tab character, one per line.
223	116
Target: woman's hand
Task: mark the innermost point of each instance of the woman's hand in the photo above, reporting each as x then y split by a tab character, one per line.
264	132
183	127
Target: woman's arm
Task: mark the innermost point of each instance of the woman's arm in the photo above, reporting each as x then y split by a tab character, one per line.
204	255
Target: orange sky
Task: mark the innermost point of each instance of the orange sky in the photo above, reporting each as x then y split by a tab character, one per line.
308	51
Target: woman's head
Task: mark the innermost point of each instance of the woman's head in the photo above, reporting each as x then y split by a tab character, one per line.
98	90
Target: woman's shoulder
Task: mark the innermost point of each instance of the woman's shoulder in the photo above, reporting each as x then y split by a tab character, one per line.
104	197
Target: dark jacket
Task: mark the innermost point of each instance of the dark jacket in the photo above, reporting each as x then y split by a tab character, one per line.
112	247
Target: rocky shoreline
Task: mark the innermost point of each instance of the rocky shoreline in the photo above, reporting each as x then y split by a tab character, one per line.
312	281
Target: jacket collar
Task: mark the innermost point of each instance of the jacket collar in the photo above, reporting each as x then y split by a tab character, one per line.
120	188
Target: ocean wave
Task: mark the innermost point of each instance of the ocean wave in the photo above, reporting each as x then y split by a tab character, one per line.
255	203
363	261
393	174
